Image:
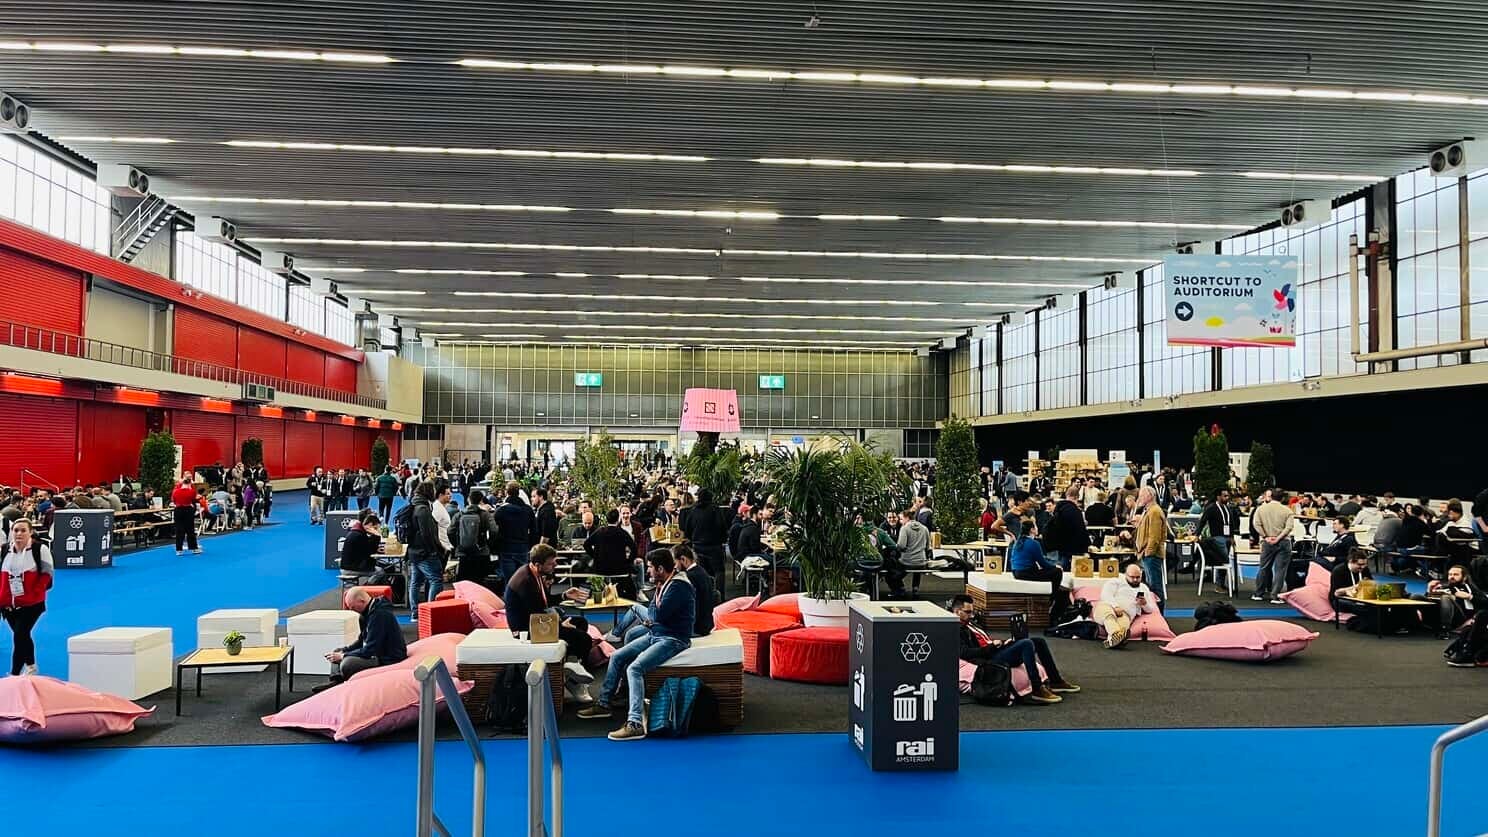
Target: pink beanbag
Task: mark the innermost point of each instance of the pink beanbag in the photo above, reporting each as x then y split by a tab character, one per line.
383	700
1153	626
1312	599
1021	686
485	616
472	592
784	604
601	650
441	644
733	605
40	710
1262	640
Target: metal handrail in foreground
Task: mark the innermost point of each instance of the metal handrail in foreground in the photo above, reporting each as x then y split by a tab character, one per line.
430	673
1438	756
542	725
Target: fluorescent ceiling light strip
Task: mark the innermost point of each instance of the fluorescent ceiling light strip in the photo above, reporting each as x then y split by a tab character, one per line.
494	207
908	80
991	286
649	327
1058	222
661	298
692	251
1281	175
119	140
826	162
965	321
796	341
465	150
210	52
379	292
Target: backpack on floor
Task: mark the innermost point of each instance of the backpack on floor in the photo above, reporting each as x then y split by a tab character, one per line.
670	713
992	685
507	709
1077	628
1214	613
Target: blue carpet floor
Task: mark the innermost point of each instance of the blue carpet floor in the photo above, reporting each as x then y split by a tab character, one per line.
1165	782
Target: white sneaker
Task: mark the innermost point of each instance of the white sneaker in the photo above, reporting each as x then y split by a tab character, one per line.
28	669
612	638
578	672
1277	600
578	695
179	553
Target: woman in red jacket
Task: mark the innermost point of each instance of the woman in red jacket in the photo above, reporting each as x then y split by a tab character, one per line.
25	577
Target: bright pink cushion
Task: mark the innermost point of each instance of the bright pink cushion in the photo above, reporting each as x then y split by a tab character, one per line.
741	603
1313	603
485	616
37	709
472	592
441	644
601	651
1088	593
1261	640
1319	578
785	604
1021	686
383	700
1152	626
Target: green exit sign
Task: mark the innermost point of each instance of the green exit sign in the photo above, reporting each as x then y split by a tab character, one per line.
772	382
588	379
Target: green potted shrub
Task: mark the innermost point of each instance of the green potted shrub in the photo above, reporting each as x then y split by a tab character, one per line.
1261	473
157	467
251	453
958	486
596	471
233	642
380	456
1211	461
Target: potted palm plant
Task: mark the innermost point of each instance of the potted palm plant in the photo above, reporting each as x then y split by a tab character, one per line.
820	489
233	642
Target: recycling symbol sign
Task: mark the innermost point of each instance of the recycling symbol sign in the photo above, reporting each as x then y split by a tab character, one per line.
915	648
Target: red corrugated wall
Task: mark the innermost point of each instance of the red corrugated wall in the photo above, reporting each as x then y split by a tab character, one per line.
340	449
304	364
340	374
261	353
108	440
201	336
41	293
205	438
302	449
39	434
271	431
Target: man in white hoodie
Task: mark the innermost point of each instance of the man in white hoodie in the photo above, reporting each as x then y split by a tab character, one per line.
1123	598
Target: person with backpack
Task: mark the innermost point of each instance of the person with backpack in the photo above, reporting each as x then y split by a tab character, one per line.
1122	600
425	552
516	531
978	647
472	532
26	574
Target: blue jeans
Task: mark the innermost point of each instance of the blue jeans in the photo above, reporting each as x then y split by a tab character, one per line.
425	571
1405	558
630	620
1276	559
1058	557
1026	653
1157	578
646	653
509	562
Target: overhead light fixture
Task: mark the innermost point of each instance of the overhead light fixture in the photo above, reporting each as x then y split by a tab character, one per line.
994	167
660	298
647	326
1325	178
468	151
774	341
1054	222
989	285
708	315
1003	84
197	51
370	204
729	214
118	140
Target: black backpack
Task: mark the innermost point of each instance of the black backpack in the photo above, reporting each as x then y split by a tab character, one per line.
507	709
403	523
1214	613
992	685
1077	628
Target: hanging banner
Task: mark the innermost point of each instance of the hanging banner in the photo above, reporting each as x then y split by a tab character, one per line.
1232	300
710	411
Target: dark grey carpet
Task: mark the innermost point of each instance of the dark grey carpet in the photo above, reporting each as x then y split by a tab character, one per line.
1342	679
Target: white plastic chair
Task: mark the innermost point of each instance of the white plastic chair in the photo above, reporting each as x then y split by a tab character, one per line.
1229	568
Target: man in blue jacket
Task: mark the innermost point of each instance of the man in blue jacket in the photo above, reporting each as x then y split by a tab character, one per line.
516	527
379	644
671	616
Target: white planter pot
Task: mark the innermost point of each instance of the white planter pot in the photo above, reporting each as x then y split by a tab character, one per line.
826	613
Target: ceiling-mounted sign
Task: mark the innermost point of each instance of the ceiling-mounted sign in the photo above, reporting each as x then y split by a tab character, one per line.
588	379
710	411
1232	300
772	382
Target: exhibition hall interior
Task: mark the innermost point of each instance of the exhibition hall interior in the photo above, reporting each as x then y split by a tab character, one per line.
512	418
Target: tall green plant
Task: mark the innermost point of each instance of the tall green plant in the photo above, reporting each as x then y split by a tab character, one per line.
380	455
157	468
1211	452
958	487
251	453
719	471
1261	474
596	471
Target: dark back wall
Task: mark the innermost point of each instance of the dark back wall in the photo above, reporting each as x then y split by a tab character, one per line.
1418	443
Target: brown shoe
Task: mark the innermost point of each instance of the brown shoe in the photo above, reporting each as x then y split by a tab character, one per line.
1043	695
1062	686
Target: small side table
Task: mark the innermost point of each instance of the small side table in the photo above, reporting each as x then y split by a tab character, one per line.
281	657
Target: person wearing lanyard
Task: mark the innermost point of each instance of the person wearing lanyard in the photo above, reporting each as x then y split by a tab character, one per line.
1221	520
528	592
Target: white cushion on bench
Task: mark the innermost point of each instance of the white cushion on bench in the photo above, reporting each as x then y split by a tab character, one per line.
720	648
497	646
1004	583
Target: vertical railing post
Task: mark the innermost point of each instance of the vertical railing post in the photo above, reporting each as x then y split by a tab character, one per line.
425	806
536	705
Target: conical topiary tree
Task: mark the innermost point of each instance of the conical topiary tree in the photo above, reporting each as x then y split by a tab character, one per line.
380	456
958	488
1261	474
1211	470
157	468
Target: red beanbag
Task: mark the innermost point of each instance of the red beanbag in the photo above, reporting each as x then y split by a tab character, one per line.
810	655
1262	640
784	604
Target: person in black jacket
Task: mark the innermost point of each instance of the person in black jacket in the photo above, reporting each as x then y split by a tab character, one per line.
1343	543
612	552
359	549
316	485
338	491
547	518
531	591
517	526
380	642
1066	535
702	585
706	529
471	533
978	646
1100	513
425	553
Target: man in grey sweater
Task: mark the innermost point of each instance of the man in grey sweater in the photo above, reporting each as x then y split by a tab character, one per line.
914	552
1273	522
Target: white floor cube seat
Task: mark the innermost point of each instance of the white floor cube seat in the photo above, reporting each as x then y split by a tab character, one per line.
318	633
128	662
256	624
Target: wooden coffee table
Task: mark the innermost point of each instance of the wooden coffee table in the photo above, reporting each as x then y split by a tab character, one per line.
1383	604
278	656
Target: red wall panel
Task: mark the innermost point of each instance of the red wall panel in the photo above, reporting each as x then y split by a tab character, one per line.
306	365
201	336
340	450
340	374
302	449
39	434
261	353
205	438
271	431
108	441
43	294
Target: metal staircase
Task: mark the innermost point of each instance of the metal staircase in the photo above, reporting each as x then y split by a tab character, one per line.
139	228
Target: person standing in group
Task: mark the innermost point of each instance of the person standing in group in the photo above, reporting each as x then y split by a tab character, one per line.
26	574
1273	522
517	525
425	553
387	489
1152	542
317	485
706	528
362	488
183	503
471	532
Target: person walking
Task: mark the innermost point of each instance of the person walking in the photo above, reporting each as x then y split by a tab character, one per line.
26	574
318	485
387	489
362	487
183	504
425	552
